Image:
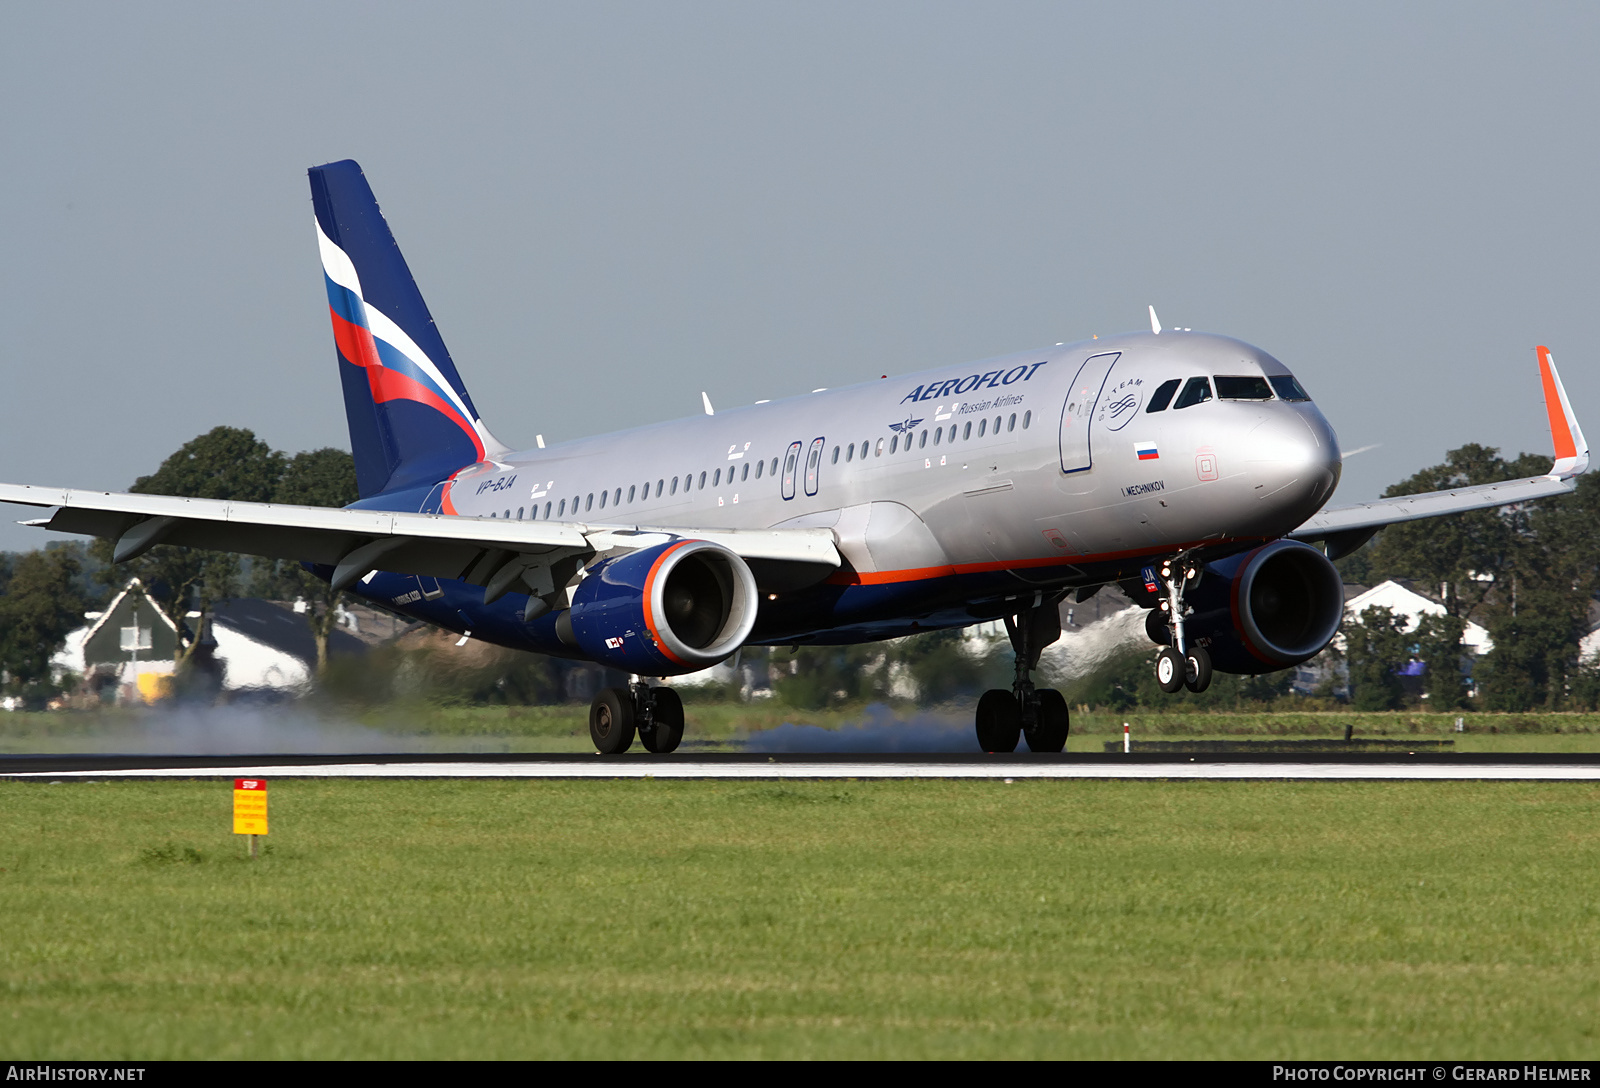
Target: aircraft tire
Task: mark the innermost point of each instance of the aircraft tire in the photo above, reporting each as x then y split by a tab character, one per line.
611	721
1049	734
668	715
1170	670
1197	670
999	721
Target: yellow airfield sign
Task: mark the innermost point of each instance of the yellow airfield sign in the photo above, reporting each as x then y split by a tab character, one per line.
249	806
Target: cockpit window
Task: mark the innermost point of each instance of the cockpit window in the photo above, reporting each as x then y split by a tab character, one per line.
1242	388
1195	391
1163	396
1287	388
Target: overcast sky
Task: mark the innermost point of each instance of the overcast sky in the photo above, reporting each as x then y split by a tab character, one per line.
610	207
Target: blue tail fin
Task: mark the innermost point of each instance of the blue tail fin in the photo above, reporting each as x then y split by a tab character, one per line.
411	420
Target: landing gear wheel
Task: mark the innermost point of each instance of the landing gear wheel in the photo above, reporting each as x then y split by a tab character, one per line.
667	713
999	721
611	721
1197	670
1169	670
1049	733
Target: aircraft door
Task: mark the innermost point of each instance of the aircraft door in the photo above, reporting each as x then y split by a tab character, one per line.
791	461
814	465
1078	412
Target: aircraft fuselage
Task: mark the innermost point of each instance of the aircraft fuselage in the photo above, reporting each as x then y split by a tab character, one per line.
953	493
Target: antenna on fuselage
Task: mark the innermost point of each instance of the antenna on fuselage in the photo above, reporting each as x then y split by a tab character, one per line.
705	400
1155	322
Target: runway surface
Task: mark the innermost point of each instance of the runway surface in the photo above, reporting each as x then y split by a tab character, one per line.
742	766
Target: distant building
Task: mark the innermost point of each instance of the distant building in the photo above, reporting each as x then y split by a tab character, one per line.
249	647
127	653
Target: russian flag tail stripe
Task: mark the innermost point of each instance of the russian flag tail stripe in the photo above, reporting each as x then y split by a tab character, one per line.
1566	437
411	419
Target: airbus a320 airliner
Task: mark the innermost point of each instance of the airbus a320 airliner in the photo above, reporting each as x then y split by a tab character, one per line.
1190	469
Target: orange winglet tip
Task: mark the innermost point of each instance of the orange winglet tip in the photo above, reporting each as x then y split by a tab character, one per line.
1566	437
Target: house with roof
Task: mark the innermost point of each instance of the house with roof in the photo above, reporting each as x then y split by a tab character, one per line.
250	648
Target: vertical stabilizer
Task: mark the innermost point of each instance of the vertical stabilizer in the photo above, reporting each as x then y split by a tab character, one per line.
411	419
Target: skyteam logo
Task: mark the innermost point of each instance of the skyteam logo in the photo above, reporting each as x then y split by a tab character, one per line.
1120	403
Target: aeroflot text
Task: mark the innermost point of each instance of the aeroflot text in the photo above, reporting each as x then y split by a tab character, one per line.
1424	1073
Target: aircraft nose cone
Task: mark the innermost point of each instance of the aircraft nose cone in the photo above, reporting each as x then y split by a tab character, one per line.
1294	464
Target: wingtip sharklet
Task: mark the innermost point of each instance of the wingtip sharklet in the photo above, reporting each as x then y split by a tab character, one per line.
1570	448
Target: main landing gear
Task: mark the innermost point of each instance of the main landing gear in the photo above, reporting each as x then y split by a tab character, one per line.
655	714
1037	714
1181	664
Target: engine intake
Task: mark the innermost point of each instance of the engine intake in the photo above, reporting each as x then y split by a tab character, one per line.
675	608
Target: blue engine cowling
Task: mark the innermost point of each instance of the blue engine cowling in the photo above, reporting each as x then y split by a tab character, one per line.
1261	611
675	608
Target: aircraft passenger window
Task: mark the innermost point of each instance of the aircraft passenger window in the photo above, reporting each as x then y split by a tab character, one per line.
1012	424
983	425
574	506
519	513
938	434
996	425
702	481
1242	388
774	469
759	466
491	513
533	512
745	474
660	486
616	500
717	480
894	444
1027	418
836	455
850	453
788	466
879	452
1287	388
966	432
563	512
674	485
923	441
952	432
602	500
1196	391
547	511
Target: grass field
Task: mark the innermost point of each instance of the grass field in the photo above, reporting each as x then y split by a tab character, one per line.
440	919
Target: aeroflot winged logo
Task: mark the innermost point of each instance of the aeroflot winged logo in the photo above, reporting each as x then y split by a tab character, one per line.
991	380
908	425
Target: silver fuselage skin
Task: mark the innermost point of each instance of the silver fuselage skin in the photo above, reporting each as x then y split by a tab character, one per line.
953	492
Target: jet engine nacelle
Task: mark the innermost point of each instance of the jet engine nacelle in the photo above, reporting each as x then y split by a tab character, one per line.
663	611
1263	610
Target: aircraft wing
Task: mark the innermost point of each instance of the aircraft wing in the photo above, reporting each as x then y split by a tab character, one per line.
482	551
1346	528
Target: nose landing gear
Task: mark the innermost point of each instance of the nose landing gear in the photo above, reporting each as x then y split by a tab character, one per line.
1182	664
1037	714
617	714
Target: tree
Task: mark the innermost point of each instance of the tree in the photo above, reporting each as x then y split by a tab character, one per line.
1439	642
1375	648
43	601
1463	555
325	477
223	463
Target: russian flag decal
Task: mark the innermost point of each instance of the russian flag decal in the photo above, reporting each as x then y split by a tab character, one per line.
1146	451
